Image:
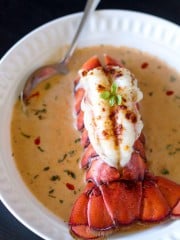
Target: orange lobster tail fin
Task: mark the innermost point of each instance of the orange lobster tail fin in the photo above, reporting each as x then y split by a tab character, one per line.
96	201
171	191
154	205
123	201
84	232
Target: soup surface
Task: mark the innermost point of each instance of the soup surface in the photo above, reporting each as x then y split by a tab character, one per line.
46	145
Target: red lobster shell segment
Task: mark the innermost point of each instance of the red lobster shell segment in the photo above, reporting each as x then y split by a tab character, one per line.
115	197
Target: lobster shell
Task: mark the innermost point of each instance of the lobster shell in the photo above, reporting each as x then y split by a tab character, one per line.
114	197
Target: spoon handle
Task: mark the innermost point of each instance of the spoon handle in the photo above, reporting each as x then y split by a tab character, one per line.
89	8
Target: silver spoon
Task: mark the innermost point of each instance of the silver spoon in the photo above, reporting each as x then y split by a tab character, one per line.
47	71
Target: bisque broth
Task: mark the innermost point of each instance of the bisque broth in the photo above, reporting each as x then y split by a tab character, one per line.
46	145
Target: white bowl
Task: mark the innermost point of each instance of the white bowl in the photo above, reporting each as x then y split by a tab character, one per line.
151	34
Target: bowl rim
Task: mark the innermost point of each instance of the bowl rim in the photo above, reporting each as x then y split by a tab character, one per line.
3	192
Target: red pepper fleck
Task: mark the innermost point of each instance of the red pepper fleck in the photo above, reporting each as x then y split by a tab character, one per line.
169	93
70	186
37	141
36	94
144	65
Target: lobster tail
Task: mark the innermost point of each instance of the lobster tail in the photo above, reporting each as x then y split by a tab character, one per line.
117	196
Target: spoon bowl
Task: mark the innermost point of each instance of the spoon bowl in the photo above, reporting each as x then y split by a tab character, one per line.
47	71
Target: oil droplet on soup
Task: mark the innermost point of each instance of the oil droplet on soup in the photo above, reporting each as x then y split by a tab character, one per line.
46	145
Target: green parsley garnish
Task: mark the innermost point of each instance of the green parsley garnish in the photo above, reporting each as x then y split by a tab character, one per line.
47	86
46	168
51	191
70	173
77	140
25	135
40	149
112	96
40	111
55	178
172	79
36	176
164	171
105	95
72	152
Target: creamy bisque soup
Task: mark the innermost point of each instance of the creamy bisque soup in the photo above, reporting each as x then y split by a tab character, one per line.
46	145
